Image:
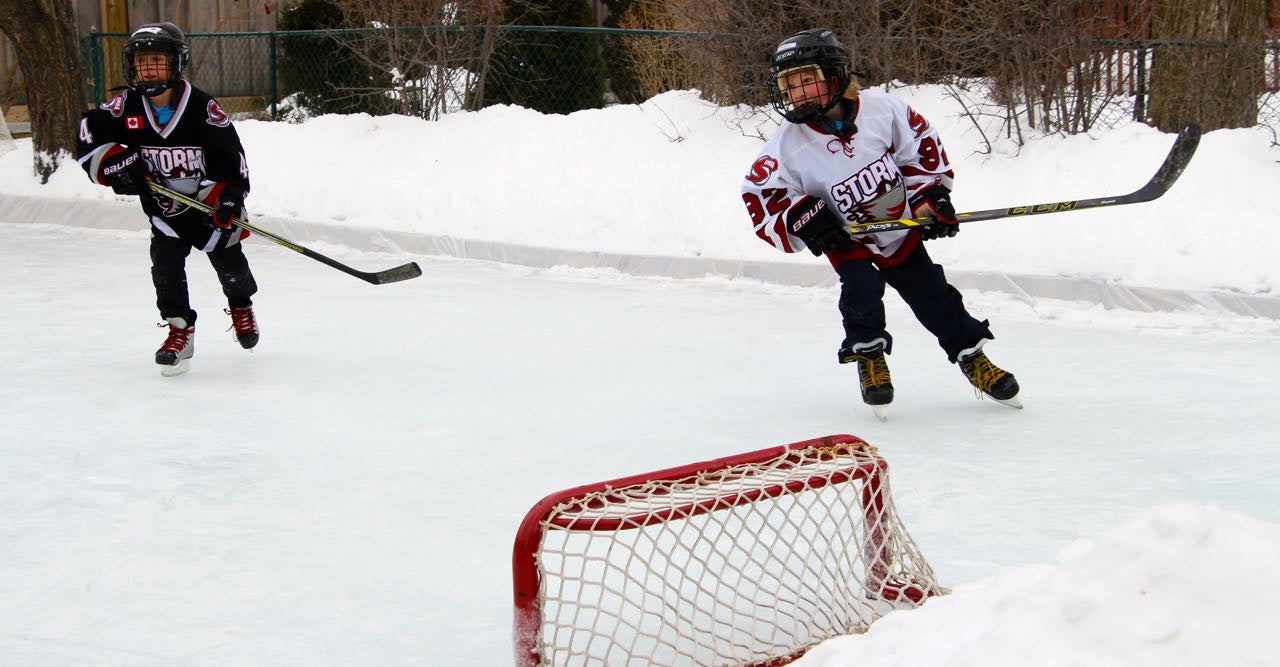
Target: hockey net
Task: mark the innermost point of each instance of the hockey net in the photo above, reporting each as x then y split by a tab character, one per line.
746	560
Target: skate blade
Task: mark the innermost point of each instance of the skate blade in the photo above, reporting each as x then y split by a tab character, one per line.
881	412
177	369
1014	402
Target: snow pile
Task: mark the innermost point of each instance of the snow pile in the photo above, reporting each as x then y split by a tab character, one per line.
1178	585
662	179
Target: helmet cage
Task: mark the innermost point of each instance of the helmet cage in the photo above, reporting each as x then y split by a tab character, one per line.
155	37
816	49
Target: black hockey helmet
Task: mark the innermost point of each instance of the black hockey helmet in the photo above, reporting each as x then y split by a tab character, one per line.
818	49
163	37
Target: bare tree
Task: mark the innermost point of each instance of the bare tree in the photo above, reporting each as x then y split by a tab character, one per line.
1049	65
43	33
430	50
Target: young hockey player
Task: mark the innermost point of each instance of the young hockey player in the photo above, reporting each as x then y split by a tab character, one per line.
163	129
849	156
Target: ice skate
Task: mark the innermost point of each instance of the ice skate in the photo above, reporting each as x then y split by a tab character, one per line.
245	326
988	378
873	374
175	354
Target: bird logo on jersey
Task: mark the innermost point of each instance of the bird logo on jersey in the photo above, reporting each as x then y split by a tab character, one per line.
874	192
839	144
762	170
180	180
181	169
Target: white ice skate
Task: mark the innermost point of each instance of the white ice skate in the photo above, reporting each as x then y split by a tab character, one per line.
174	356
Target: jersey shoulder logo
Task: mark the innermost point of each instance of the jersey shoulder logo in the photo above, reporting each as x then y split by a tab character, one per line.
217	117
763	168
917	122
115	105
133	122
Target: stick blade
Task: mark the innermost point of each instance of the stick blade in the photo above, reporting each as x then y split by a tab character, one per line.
396	274
1179	157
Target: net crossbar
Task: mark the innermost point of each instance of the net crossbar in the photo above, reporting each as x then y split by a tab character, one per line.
747	560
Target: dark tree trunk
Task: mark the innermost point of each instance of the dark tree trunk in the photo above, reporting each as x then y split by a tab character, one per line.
1217	84
43	33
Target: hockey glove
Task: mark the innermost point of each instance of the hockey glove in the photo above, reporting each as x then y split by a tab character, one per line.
227	202
819	228
124	170
935	202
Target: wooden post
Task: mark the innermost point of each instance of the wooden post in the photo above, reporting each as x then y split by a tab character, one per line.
115	19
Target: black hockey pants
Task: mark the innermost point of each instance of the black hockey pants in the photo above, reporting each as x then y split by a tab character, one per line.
168	273
924	287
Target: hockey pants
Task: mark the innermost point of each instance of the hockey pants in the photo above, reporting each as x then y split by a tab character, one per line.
924	287
169	275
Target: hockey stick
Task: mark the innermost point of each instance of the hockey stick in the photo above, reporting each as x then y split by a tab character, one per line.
392	275
1183	148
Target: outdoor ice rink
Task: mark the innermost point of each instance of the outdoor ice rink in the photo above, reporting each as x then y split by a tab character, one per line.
348	492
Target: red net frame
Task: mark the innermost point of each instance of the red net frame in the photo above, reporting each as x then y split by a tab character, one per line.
810	466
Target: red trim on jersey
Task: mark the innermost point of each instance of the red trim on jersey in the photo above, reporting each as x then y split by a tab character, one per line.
908	246
838	257
862	252
215	195
780	226
916	171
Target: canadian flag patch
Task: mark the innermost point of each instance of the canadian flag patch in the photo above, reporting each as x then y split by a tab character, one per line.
133	122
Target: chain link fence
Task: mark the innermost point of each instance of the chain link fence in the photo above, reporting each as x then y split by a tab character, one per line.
431	71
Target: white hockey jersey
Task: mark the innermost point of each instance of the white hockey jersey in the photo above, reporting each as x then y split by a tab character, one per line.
865	177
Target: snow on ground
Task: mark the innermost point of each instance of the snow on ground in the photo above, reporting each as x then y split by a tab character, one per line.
662	178
1161	589
348	492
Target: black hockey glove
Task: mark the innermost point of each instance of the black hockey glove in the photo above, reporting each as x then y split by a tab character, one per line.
124	170
227	202
819	228
935	202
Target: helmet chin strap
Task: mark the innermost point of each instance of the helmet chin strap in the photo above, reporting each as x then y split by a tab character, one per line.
842	126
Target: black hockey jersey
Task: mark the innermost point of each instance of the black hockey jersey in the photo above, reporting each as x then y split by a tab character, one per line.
196	150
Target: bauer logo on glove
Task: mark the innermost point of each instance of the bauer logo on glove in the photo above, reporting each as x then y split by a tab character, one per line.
807	213
123	168
815	224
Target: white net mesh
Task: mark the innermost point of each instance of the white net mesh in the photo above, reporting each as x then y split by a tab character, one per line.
741	565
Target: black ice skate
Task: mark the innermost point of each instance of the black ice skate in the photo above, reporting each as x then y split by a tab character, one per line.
245	325
873	373
176	352
988	378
